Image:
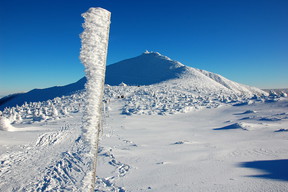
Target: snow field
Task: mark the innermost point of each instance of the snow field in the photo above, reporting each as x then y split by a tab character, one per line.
214	146
49	157
186	152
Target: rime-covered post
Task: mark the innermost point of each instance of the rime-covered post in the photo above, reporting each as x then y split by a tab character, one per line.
93	55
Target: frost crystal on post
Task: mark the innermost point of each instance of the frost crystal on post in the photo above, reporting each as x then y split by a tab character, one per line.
93	55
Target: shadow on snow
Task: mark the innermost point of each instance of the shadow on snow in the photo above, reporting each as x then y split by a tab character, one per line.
274	169
232	126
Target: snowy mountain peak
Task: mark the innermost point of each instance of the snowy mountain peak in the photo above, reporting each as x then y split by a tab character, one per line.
153	68
149	68
146	69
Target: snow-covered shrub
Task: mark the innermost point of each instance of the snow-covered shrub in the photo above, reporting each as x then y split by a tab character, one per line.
5	124
46	110
283	94
54	112
273	94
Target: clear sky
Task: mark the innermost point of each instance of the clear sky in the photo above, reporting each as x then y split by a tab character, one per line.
243	40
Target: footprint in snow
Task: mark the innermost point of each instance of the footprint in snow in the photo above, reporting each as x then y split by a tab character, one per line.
131	143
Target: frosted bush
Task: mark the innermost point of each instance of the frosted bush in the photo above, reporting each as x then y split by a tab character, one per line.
54	112
46	110
283	94
5	124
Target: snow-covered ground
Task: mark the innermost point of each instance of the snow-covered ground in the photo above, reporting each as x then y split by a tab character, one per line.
163	137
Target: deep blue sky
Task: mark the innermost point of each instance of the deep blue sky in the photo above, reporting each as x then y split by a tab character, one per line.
243	40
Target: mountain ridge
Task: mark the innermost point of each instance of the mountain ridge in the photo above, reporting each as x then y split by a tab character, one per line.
148	68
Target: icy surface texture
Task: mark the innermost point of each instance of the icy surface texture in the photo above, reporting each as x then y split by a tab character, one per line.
93	55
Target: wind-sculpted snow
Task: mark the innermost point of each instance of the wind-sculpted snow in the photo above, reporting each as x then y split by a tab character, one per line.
161	99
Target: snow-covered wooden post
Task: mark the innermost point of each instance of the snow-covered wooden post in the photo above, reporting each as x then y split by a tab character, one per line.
93	56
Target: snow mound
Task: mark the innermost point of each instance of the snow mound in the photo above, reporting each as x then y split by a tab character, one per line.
5	124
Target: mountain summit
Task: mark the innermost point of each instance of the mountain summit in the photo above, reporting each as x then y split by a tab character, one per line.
153	68
147	69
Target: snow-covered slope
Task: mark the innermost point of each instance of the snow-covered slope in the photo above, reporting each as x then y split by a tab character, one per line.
231	84
37	95
147	69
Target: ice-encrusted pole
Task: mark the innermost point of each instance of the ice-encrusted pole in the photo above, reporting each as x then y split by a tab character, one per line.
93	55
